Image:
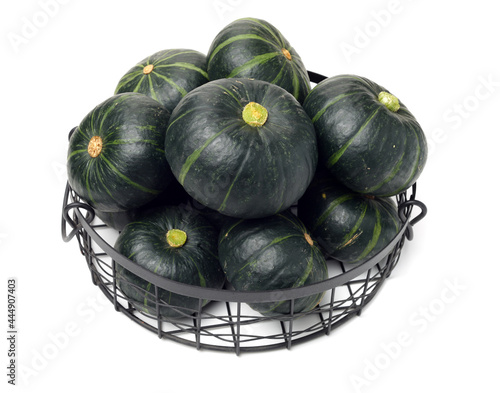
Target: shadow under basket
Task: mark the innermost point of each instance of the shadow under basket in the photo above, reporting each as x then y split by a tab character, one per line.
227	323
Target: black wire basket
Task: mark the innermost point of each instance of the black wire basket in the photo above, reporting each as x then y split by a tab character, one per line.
227	323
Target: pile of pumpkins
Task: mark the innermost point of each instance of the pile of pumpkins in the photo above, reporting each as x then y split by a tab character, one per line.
228	169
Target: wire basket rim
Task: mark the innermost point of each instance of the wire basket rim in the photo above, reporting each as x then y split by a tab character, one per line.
224	294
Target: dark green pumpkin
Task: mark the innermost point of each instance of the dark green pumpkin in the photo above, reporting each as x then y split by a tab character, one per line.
349	226
166	76
229	165
272	253
367	138
194	262
253	48
116	159
174	195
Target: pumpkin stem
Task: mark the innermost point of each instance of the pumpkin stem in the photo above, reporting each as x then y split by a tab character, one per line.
148	69
308	239
286	53
390	101
95	146
176	238
255	114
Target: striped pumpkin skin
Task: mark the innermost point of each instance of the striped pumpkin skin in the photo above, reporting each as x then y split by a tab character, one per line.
166	76
173	195
232	167
131	168
349	226
253	48
195	263
272	253
366	146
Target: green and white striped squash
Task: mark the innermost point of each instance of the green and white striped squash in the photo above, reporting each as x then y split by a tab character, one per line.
116	158
272	253
243	147
254	48
367	138
349	226
166	76
175	243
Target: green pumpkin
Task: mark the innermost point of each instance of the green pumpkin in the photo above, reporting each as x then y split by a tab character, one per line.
367	138
171	242
272	253
174	195
166	76
349	226
116	158
243	147
253	48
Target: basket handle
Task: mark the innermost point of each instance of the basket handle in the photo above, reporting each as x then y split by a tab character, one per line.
89	217
404	211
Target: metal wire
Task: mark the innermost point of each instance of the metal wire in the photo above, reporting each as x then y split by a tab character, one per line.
227	323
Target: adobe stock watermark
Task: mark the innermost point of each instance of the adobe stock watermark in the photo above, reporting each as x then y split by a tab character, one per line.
222	7
457	114
30	26
418	323
57	341
363	36
60	171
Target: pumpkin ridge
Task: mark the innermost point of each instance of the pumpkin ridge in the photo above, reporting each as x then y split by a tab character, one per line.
279	39
351	235
251	63
193	157
338	154
280	73
157	63
233	39
229	92
253	257
389	177
375	236
178	118
242	164
416	165
127	180
152	91
334	101
171	83
130	77
184	65
330	208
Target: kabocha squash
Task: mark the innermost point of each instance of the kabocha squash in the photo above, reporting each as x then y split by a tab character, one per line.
272	253
349	226
174	195
166	76
253	48
243	147
367	138
116	159
174	243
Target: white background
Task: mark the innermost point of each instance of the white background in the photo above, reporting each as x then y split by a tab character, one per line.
440	58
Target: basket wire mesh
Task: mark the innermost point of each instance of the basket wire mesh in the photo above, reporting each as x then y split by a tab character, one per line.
227	323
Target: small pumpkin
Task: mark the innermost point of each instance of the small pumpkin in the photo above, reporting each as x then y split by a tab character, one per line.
243	147
350	227
272	253
367	138
116	158
166	76
254	48
175	243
